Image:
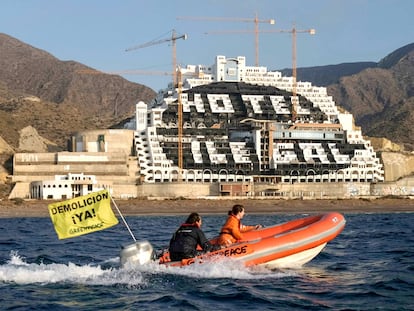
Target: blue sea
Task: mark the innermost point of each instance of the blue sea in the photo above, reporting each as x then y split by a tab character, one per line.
369	266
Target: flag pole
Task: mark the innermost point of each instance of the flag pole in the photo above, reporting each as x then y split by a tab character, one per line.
123	219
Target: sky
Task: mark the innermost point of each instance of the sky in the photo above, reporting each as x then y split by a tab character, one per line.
97	33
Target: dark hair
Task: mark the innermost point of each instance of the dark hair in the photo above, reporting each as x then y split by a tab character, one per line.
193	218
236	209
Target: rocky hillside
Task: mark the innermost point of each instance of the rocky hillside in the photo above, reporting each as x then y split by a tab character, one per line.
43	100
379	95
56	97
382	98
331	74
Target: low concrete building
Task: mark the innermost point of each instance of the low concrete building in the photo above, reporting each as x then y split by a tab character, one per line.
65	187
105	154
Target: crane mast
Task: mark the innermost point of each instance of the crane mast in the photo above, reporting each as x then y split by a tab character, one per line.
294	33
176	83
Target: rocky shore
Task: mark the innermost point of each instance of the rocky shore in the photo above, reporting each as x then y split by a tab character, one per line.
138	207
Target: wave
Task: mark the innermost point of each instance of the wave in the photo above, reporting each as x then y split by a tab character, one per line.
17	270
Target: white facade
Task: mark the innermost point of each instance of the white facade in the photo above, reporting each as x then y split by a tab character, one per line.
156	166
65	187
141	116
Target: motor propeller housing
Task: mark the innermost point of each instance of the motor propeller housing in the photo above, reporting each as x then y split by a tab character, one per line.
140	252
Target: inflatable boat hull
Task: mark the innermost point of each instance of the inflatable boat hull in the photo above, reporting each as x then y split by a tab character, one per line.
286	245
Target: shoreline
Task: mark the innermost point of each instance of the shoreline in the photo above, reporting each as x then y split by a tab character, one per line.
168	207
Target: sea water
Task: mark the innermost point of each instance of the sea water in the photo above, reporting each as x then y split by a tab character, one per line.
369	266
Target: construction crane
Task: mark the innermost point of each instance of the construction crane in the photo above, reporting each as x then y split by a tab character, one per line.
139	72
255	20
124	72
173	40
176	82
294	32
179	99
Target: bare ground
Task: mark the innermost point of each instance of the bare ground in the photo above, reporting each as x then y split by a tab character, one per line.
221	206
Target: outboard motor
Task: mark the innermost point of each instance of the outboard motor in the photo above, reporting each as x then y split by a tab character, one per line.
138	253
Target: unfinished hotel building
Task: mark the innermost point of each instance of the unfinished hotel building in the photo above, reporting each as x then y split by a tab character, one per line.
248	124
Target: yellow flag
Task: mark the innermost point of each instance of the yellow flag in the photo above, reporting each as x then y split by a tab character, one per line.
82	215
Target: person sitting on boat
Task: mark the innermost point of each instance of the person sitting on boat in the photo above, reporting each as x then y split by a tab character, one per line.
184	241
232	230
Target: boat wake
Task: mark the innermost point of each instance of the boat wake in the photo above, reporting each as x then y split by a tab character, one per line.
211	269
17	270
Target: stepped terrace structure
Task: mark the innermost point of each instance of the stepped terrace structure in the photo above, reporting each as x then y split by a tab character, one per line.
243	124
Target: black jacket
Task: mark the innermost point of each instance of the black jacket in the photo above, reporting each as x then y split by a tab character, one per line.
184	242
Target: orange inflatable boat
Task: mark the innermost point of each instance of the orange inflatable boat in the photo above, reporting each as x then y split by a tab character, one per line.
286	245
